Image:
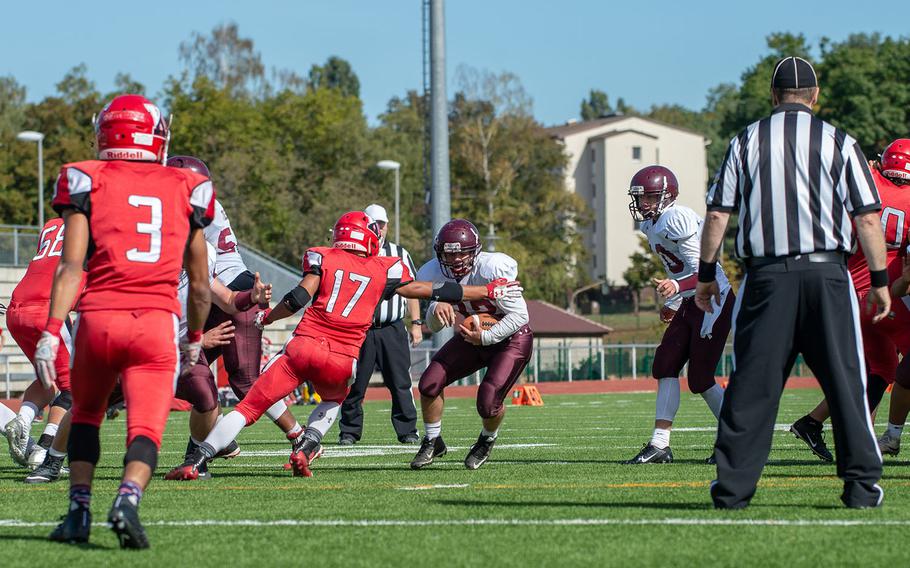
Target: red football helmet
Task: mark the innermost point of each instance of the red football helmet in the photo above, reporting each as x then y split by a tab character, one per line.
457	245
356	231
657	182
896	160
131	127
190	163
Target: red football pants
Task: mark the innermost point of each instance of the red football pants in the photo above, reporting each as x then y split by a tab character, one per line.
26	321
302	359
138	346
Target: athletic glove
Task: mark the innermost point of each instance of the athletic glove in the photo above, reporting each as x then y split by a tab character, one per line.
46	357
259	319
502	288
190	348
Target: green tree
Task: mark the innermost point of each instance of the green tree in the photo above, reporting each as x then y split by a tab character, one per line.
228	60
596	105
335	73
645	265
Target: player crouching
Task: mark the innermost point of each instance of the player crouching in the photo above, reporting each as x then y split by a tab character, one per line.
674	233
504	349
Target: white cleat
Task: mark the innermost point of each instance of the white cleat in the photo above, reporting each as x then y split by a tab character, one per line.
889	445
36	457
17	435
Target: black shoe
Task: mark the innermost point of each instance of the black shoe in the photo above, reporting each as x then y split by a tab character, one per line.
479	452
232	450
712	459
410	439
193	468
811	432
76	526
123	519
651	454
429	450
303	453
48	471
347	440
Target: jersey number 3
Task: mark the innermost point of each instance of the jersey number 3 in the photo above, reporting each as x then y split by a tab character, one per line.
152	229
362	283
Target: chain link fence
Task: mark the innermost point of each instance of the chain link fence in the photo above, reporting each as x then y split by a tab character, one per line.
18	244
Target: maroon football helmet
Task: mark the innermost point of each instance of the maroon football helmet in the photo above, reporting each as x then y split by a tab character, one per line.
457	245
190	163
659	185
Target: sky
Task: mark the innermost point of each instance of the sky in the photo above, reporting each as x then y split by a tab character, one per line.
648	52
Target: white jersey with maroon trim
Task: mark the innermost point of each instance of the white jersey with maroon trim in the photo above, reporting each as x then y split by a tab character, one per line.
676	238
488	266
219	234
183	286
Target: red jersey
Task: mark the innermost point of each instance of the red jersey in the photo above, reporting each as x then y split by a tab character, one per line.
350	288
140	215
896	224
35	286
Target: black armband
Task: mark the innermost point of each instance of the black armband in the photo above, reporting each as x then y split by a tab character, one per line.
707	271
878	278
449	292
296	299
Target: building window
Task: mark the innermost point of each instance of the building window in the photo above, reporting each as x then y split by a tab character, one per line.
636	153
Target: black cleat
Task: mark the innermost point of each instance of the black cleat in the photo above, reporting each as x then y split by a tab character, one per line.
346	440
232	450
303	453
48	471
479	452
812	433
123	519
651	454
429	450
193	468
76	526
712	459
409	439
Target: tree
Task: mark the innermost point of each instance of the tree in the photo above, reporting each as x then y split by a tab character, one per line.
335	73
229	61
645	265
596	105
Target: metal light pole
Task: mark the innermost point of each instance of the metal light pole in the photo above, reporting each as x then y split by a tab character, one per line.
32	136
393	165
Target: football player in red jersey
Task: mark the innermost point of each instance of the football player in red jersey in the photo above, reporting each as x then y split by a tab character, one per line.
345	283
133	222
26	318
884	340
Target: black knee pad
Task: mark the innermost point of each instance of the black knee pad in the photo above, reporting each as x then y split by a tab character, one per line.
875	390
64	400
144	450
84	444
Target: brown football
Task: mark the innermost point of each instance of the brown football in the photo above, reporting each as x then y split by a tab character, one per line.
486	321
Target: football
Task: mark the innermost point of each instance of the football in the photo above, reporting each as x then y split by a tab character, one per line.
485	321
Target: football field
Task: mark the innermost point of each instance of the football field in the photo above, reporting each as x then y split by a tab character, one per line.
553	494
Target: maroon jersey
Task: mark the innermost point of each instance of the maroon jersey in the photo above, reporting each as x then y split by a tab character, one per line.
896	225
140	215
350	288
35	286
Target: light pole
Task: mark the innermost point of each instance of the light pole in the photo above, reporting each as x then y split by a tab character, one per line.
393	165
32	136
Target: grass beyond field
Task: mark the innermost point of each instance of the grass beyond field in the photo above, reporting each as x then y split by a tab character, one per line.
553	494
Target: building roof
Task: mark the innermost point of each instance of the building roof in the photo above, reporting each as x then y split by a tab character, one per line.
563	130
613	133
548	320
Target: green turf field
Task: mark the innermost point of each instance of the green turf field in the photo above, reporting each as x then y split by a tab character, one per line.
553	494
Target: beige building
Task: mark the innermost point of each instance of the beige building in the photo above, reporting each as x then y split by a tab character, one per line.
603	156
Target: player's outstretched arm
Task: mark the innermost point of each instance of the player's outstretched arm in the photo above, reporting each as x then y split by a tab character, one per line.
451	292
232	302
293	301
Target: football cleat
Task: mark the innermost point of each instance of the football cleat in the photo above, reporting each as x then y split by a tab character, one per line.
232	450
123	519
76	526
303	455
36	457
712	459
811	432
651	454
48	472
346	440
16	433
889	445
429	450
479	452
410	439
193	468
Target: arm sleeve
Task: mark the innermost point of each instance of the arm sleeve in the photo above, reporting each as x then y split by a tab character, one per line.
673	302
860	196
312	262
724	192
202	203
73	190
516	315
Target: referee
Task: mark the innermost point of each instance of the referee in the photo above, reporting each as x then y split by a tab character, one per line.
796	181
386	346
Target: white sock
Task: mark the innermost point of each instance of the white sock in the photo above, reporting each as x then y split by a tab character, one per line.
27	412
714	397
432	429
660	438
5	415
323	416
894	430
276	410
50	429
489	434
667	402
295	430
55	453
197	442
227	429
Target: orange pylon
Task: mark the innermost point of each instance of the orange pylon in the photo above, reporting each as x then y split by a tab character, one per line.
527	395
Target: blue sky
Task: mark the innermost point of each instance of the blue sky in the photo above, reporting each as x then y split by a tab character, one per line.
645	51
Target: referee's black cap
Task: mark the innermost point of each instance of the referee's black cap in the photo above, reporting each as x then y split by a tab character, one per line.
793	73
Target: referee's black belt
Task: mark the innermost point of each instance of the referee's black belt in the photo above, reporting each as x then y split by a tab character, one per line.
830	257
380	324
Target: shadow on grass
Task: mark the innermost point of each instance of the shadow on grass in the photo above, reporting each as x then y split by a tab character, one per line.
47	542
690	506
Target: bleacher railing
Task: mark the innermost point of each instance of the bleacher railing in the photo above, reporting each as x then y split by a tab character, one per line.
18	244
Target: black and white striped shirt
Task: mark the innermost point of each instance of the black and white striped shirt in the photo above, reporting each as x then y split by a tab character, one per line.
796	181
395	308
